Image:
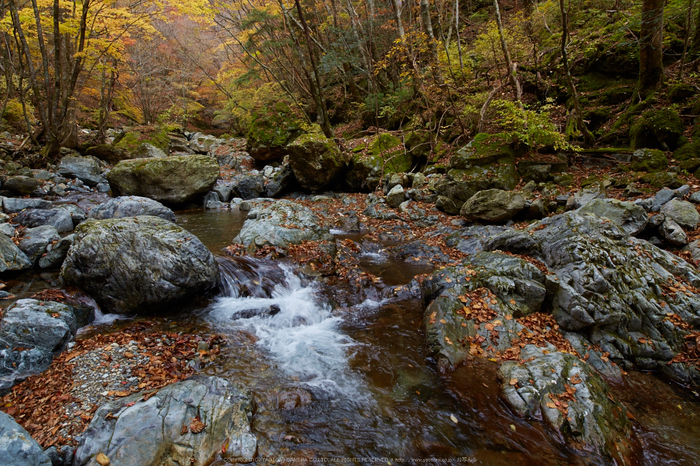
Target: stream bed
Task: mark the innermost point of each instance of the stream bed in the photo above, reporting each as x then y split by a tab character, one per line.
357	385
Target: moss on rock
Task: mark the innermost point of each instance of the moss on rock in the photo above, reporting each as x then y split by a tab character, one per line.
657	129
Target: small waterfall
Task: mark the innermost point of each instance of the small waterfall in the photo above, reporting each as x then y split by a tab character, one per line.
283	311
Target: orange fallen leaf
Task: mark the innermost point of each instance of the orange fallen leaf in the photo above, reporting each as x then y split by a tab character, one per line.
197	426
513	381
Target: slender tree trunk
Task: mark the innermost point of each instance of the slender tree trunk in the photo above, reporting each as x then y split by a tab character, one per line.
651	65
686	41
512	67
529	6
428	28
459	42
318	91
402	35
588	137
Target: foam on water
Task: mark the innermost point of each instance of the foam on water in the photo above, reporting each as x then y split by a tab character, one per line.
304	338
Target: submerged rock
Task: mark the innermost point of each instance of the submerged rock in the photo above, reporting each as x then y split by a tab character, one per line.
162	430
138	264
175	179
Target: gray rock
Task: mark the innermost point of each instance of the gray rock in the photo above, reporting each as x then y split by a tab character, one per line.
661	198
493	206
56	253
138	264
60	219
248	186
396	196
176	179
86	169
7	229
587	194
315	161
632	218
224	191
21	184
591	420
682	212
36	240
673	233
77	214
503	285
380	210
204	143
11	257
279	223
148	151
31	333
695	197
131	206
150	432
17	447
278	181
12	205
212	200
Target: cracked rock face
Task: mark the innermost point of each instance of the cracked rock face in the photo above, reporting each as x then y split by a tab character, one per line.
570	397
163	430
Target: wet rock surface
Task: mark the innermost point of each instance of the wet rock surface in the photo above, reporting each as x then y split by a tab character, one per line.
188	422
17	447
138	264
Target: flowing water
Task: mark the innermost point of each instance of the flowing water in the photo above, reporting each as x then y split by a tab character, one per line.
357	383
333	384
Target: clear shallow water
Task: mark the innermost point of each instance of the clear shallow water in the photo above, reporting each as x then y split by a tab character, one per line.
358	382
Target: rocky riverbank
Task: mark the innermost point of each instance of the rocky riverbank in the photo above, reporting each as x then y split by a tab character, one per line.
564	274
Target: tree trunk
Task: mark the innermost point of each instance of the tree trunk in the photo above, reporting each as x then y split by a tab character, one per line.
651	65
686	41
512	76
428	28
317	89
588	137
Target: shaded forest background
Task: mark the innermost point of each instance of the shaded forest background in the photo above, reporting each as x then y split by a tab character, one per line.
551	75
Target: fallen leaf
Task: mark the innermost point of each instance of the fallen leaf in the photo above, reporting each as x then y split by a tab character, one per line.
551	405
454	419
185	430
513	381
102	459
197	426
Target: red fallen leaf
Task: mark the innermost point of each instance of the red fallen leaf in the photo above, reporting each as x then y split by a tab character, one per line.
130	404
185	430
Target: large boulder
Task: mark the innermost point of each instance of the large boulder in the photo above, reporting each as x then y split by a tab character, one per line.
571	398
138	264
271	129
20	184
148	151
461	184
86	169
108	153
682	212
382	154
17	447
184	423
484	149
657	129
493	206
278	223
131	206
31	333
175	179
631	217
315	161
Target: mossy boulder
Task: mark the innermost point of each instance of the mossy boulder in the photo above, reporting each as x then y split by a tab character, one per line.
315	161
271	129
681	92
108	153
384	153
657	129
461	184
172	180
484	149
648	160
493	206
660	180
690	150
